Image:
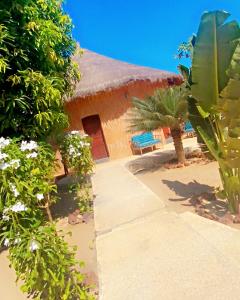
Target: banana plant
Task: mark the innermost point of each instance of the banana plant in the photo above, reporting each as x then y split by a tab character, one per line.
194	115
214	84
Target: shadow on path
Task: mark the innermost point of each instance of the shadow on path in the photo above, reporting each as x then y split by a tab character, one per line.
187	190
66	204
153	162
150	163
201	196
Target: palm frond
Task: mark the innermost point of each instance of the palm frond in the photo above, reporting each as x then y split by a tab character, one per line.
166	108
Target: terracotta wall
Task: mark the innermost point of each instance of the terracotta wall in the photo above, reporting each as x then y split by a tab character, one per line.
112	107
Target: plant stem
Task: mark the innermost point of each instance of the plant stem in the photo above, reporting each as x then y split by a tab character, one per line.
47	206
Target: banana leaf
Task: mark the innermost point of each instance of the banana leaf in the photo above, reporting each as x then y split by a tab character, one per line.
215	44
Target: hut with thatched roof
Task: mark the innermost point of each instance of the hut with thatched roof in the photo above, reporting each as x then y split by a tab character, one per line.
102	100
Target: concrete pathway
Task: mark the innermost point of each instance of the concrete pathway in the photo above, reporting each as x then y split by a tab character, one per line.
145	252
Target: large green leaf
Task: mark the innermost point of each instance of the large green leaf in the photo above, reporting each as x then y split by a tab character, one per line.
210	142
215	44
234	68
202	126
232	89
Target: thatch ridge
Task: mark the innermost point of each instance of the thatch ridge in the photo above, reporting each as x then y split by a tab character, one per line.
101	73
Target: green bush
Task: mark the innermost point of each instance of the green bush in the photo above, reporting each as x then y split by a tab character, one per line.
76	152
75	149
36	70
48	268
37	252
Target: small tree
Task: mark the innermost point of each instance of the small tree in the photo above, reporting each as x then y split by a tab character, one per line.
36	71
36	75
166	108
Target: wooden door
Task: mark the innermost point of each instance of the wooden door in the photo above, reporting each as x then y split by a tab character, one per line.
92	127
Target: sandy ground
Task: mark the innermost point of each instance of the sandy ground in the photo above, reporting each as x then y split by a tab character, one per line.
180	188
177	186
83	236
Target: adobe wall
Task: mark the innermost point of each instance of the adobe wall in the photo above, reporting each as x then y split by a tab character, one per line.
112	107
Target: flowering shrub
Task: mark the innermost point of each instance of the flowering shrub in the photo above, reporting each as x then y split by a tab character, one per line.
82	194
76	152
39	255
43	259
26	169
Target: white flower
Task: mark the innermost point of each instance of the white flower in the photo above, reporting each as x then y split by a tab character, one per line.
6	210
40	196
74	132
14	189
71	150
17	241
4	166
5	218
32	155
19	206
6	242
33	246
4	142
15	163
85	135
28	146
3	156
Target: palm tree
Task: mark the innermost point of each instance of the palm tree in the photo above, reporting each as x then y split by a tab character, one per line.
166	108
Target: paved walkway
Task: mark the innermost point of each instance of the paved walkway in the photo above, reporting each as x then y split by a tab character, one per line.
147	253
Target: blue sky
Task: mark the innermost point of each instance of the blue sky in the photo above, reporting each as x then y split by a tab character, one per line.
143	32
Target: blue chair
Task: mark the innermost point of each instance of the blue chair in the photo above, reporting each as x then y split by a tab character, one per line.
144	140
188	129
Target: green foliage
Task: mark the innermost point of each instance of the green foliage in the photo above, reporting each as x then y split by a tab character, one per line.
36	71
76	152
36	75
166	108
215	93
82	195
215	44
201	124
38	253
185	49
42	258
194	115
26	167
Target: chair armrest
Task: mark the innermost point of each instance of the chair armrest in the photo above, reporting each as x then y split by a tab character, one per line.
157	137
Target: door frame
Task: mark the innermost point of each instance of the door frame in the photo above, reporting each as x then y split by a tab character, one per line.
103	136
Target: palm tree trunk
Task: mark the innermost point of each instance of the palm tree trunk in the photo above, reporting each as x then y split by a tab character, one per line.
177	140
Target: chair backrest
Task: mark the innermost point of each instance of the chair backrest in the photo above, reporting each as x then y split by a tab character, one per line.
188	126
142	138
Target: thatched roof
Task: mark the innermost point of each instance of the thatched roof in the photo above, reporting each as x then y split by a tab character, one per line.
101	73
